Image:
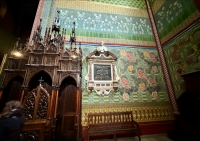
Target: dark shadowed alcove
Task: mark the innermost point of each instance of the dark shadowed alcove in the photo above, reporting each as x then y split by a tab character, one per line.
67	108
46	83
12	90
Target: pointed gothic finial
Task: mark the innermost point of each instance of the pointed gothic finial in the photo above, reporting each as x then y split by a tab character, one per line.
73	29
17	43
40	26
56	24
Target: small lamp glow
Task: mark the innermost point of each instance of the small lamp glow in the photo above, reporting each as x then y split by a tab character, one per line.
74	56
17	54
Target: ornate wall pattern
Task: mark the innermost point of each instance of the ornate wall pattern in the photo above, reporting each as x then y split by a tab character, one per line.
128	3
97	21
46	14
174	16
103	25
155	5
142	81
142	112
183	56
141	78
101	7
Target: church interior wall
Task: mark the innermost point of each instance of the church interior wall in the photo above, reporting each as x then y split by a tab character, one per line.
97	21
141	86
177	23
125	28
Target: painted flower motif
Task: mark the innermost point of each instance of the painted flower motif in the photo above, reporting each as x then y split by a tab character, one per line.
123	53
125	96
142	86
146	54
130	68
153	58
152	82
130	57
154	95
140	74
154	68
125	83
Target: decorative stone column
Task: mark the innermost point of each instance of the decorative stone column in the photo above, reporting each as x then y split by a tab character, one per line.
162	60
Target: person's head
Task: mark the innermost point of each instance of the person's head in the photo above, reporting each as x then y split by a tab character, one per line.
10	106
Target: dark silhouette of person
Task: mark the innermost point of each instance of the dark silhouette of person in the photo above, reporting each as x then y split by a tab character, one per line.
11	121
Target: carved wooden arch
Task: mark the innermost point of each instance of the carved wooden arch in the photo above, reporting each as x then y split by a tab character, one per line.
63	78
5	83
31	76
40	44
66	53
106	53
36	104
52	48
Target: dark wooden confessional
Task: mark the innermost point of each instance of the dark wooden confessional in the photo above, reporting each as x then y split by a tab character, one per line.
46	78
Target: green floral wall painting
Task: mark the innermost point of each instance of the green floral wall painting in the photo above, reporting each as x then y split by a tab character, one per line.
105	25
173	16
183	56
141	77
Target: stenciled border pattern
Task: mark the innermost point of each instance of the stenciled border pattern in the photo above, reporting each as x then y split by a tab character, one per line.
100	7
142	112
124	3
181	26
156	5
114	41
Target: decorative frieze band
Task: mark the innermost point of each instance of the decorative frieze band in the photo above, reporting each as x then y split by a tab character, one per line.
101	7
115	41
142	112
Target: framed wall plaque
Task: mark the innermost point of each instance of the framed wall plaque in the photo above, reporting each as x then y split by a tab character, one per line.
102	74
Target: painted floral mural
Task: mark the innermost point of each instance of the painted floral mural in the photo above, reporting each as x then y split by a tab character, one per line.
173	13
141	78
105	25
183	56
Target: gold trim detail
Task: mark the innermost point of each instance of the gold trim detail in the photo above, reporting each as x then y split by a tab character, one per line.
142	112
114	41
3	63
156	5
100	7
115	4
181	26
